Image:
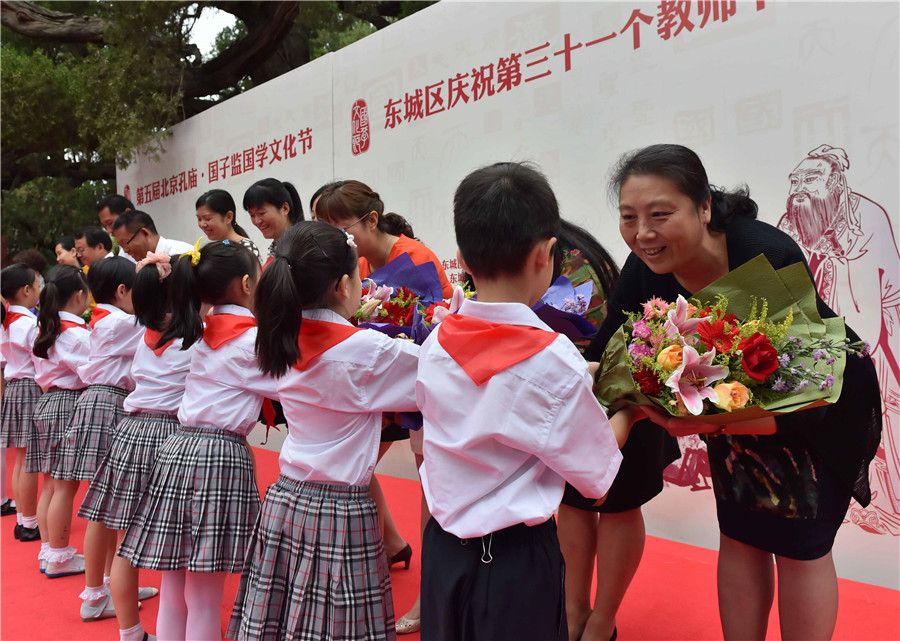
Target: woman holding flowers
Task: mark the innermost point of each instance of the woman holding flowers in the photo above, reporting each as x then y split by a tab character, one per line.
782	485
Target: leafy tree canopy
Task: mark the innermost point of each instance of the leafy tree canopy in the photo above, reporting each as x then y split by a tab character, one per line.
86	85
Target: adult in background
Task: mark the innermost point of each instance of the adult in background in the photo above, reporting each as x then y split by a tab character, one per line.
136	233
783	495
65	251
34	259
93	244
273	207
216	218
108	209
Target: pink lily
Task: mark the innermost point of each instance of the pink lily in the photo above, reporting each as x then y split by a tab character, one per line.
455	303
678	322
692	379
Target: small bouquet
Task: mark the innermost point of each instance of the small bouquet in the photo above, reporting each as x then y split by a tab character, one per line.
575	304
750	345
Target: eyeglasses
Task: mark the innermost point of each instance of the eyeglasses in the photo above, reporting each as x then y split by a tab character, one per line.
133	236
344	229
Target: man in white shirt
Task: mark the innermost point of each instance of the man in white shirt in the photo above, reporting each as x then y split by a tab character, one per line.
92	244
108	209
136	233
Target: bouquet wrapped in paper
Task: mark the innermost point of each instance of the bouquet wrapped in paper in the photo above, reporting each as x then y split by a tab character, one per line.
575	304
750	345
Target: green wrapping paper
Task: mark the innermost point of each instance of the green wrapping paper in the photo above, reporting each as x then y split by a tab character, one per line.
784	290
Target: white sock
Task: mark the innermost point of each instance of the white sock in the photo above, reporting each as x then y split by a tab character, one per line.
94	596
105	579
18	518
30	522
45	547
134	634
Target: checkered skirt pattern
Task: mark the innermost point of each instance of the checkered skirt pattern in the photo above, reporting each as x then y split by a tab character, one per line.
120	481
200	507
317	568
20	397
86	440
51	416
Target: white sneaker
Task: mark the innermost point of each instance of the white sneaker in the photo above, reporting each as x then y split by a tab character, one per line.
73	566
147	593
103	610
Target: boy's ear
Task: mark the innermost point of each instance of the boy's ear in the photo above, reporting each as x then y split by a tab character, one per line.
246	284
462	262
544	253
121	291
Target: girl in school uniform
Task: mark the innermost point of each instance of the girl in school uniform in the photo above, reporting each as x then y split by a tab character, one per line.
159	371
62	346
20	287
197	515
114	340
317	568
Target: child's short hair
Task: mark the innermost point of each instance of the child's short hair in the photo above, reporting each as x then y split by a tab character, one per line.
500	212
14	278
106	275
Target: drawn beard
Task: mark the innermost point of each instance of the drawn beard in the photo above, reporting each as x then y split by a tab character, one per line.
812	216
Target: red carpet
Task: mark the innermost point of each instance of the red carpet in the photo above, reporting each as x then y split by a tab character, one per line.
672	597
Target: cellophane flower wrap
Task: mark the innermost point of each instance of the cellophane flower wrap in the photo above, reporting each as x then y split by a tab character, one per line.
574	305
750	345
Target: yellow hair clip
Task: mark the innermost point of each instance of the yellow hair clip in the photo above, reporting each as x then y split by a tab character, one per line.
194	253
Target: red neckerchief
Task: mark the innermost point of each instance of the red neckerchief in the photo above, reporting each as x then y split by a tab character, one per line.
151	338
97	315
483	348
11	317
316	337
67	324
268	260
222	328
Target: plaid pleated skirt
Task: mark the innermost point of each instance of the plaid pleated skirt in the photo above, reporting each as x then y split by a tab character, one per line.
86	440
51	416
120	481
317	568
199	510
20	397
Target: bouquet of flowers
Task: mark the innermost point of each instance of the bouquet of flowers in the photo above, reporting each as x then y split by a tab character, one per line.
750	345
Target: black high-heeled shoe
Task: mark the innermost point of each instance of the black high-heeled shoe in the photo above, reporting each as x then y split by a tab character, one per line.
404	555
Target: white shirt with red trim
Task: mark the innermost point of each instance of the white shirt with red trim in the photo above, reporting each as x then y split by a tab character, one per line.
71	350
17	342
225	387
499	454
334	406
159	380
114	340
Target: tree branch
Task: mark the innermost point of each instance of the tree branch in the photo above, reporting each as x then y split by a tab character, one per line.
40	23
57	167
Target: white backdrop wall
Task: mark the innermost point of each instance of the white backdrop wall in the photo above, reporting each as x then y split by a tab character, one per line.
753	87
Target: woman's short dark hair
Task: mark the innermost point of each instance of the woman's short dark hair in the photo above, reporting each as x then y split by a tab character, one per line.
220	202
62	282
683	167
500	212
66	242
310	260
31	257
105	276
275	193
354	199
14	278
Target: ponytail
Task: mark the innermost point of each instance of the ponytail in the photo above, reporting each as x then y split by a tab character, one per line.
395	225
275	193
220	202
296	213
62	282
726	205
311	257
150	298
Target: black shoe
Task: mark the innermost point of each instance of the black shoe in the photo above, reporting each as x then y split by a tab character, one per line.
18	531
7	508
403	556
29	534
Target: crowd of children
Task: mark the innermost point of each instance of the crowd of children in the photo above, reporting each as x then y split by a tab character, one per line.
151	402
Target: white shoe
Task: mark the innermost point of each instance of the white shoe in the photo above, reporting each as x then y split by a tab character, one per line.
103	610
73	566
147	593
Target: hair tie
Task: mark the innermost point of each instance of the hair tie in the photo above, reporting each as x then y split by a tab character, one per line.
194	253
350	240
288	261
226	242
162	261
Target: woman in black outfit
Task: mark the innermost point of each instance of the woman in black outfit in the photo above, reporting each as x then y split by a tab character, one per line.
784	494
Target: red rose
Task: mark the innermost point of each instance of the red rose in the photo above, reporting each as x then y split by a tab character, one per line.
648	382
760	358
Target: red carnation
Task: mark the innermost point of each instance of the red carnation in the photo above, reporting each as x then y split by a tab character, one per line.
714	335
648	381
760	358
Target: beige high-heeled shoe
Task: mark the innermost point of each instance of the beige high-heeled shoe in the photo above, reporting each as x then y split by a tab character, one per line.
405	625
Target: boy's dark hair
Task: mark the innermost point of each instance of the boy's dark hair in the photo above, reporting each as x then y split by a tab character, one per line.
62	282
105	276
311	256
500	212
150	298
133	220
31	257
94	236
117	204
683	167
66	242
275	193
207	282
220	202
14	278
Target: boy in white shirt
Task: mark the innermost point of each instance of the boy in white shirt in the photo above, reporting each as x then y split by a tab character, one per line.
509	417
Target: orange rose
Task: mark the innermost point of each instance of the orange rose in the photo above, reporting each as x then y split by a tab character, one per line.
670	358
732	396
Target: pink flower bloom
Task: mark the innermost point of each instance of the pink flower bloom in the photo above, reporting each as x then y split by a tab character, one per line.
679	321
693	378
642	329
655	308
